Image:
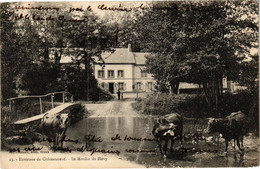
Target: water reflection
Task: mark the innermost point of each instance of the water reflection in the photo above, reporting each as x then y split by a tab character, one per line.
141	127
235	160
108	127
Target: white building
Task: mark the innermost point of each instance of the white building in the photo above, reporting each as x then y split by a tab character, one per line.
124	70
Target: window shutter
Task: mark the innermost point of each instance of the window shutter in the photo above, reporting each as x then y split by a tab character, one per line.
124	86
116	86
106	86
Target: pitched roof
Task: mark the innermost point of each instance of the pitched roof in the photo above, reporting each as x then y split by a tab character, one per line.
119	56
124	56
140	58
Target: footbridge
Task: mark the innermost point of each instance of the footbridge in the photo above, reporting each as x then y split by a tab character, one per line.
62	107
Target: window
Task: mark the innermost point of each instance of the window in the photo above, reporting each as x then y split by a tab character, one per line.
110	74
150	85
138	86
121	86
120	73
101	74
143	73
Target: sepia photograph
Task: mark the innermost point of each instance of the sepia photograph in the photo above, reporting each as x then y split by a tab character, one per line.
129	84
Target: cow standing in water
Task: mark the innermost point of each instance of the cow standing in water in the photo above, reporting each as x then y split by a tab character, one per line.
54	126
242	121
234	126
167	128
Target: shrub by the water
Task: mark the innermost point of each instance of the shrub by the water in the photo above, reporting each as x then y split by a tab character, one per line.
99	94
160	103
196	105
6	128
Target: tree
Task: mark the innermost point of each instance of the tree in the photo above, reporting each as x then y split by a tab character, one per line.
92	38
120	26
34	39
198	42
19	45
246	14
39	79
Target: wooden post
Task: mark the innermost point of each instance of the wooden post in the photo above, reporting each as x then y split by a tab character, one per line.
52	103
71	98
63	98
41	105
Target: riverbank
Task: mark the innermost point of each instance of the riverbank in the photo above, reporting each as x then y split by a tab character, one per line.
111	122
196	106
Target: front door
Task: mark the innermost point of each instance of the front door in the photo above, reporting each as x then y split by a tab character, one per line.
111	87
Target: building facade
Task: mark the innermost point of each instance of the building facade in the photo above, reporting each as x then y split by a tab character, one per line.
124	70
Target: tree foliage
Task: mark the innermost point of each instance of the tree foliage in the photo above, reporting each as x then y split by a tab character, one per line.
199	42
39	79
18	46
27	62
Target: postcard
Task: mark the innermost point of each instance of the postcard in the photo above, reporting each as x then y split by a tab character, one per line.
135	84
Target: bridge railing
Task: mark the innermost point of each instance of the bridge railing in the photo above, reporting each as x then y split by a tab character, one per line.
66	96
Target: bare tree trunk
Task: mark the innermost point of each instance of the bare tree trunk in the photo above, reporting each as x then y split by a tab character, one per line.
221	85
86	76
175	87
116	39
211	93
206	92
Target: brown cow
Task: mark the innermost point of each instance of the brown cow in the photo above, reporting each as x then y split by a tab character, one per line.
54	126
168	128
242	121
234	126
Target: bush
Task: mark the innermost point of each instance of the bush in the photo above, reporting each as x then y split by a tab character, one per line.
6	128
242	101
160	104
196	105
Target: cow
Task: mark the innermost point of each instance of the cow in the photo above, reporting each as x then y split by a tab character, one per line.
234	126
168	128
242	121
54	126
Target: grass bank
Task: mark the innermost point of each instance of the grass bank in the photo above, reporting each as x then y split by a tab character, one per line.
195	106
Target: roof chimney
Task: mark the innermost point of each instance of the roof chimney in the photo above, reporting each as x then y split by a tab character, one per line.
129	48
